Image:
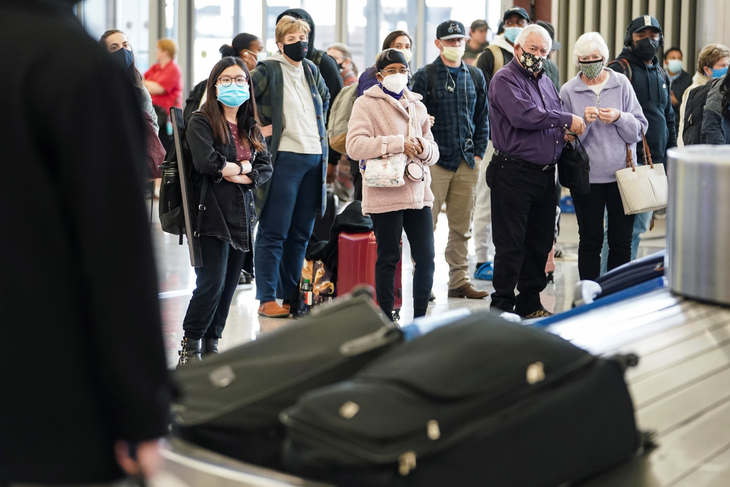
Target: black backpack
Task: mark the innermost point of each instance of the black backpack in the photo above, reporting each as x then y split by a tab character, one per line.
174	189
193	101
693	114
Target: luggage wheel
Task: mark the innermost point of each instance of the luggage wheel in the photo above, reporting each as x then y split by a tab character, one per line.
551	277
396	315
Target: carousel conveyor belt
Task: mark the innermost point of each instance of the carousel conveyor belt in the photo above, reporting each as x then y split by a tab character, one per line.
681	391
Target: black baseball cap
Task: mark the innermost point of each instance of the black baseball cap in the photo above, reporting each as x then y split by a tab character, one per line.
551	30
479	24
641	23
516	11
451	29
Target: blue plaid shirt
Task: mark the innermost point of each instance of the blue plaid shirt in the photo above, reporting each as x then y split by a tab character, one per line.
462	126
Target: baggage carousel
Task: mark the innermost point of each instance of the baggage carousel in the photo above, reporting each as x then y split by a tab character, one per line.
681	387
681	390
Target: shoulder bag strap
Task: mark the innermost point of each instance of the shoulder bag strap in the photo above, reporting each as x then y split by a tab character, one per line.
647	154
629	159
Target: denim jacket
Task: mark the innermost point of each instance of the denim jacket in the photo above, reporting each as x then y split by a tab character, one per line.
232	223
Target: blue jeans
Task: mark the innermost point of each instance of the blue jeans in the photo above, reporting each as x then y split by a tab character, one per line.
214	288
641	225
286	224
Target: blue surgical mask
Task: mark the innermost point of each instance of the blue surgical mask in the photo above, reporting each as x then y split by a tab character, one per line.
511	33
674	65
716	73
233	96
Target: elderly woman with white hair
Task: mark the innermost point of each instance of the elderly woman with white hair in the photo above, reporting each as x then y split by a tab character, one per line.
613	119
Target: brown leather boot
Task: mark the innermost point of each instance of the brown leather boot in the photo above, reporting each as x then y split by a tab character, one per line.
467	291
271	309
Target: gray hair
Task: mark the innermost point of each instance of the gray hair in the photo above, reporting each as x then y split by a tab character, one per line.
534	28
343	48
589	43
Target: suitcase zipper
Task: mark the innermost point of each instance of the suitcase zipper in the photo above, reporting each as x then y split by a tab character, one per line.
406	463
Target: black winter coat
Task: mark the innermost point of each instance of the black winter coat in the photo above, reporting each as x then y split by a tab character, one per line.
82	363
230	212
652	91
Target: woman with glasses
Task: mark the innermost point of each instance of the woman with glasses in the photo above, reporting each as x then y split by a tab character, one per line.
230	159
379	127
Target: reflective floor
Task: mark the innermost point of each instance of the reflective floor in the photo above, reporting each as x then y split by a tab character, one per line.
177	281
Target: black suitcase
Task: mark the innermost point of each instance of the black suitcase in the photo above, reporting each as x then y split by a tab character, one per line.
481	402
230	403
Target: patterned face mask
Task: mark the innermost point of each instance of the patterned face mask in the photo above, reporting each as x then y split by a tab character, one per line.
592	69
530	62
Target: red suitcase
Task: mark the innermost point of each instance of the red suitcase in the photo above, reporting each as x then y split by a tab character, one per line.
357	253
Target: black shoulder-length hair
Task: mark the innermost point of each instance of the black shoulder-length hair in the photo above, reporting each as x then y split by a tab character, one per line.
213	109
132	71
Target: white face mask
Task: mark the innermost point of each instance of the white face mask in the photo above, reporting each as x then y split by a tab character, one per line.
407	53
395	83
454	53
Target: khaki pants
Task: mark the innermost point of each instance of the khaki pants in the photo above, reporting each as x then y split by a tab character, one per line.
483	213
458	191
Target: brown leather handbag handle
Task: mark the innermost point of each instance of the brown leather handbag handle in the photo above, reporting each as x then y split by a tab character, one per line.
647	154
629	159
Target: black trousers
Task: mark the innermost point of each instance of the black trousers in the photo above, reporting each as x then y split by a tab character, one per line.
523	227
356	178
388	228
214	288
589	210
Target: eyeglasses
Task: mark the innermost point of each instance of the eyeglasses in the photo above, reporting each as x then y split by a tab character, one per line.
388	72
227	80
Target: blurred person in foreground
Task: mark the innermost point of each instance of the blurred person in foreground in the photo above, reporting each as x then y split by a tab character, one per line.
98	383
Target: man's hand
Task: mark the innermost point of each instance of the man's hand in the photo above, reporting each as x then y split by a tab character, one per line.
608	115
578	126
267	130
568	138
331	173
674	99
590	114
432	119
148	459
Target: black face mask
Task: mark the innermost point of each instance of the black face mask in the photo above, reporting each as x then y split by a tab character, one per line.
340	67
123	57
646	48
296	51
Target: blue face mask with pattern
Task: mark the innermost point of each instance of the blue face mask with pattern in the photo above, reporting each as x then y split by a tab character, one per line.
233	96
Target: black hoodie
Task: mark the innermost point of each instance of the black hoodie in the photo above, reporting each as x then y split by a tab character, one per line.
653	92
327	65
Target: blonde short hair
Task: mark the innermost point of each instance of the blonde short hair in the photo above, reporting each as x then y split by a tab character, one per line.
288	25
710	55
589	43
169	46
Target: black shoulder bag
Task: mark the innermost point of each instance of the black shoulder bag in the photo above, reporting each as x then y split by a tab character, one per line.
574	168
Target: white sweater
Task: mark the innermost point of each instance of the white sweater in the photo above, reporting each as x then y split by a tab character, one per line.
300	133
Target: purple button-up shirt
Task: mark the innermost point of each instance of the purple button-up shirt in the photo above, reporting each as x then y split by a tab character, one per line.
526	116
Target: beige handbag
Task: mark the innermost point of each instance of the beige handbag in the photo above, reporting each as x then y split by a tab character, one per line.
643	188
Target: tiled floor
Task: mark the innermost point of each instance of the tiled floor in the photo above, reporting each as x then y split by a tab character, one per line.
177	281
